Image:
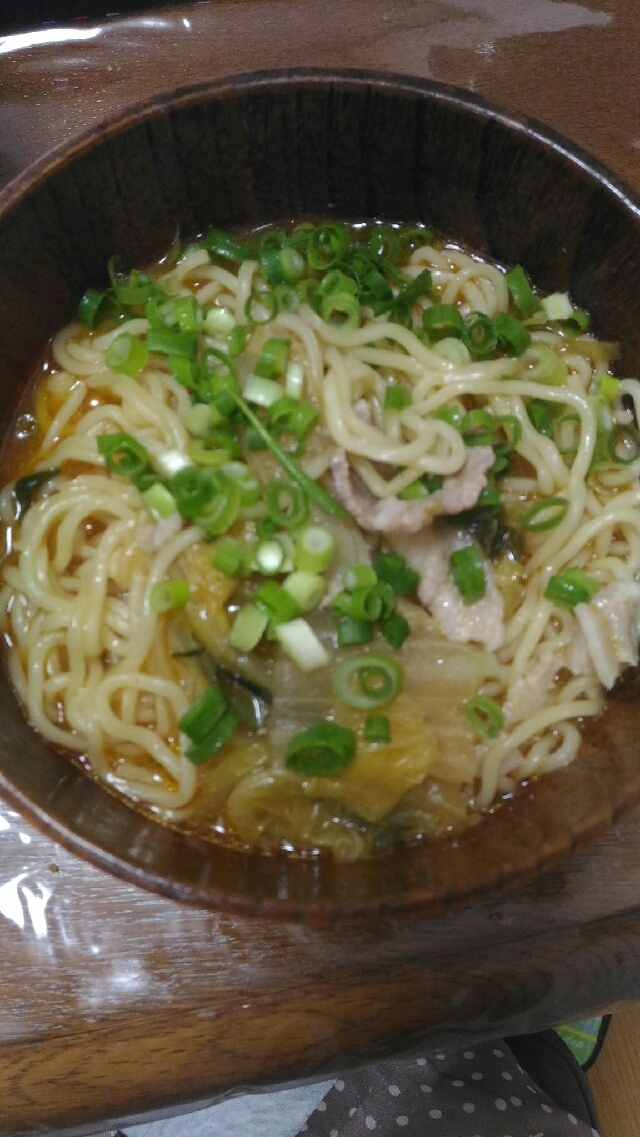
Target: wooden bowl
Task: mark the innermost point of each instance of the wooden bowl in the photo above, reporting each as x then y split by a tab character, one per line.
275	146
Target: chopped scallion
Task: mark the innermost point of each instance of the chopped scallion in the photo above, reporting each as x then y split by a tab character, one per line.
169	594
368	681
484	716
570	587
322	749
468	574
298	639
377	730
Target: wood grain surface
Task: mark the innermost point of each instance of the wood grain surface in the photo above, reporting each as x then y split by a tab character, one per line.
116	1002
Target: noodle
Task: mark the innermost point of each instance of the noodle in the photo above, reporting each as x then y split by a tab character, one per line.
513	462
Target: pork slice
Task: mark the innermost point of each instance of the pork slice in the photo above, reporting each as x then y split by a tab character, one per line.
610	623
527	695
359	502
429	552
393	515
461	491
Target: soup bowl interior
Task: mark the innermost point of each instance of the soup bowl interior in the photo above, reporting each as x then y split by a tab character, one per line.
270	148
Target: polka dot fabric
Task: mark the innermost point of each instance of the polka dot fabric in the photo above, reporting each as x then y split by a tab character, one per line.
475	1093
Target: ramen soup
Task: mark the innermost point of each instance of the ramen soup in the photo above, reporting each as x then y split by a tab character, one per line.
321	540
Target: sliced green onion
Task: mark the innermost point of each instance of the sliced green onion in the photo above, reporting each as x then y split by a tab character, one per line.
169	594
328	245
352	633
294	380
557	306
425	486
313	490
607	386
237	340
385	242
229	557
484	716
570	587
219	321
394	570
289	416
442	320
523	295
542	416
200	418
183	370
322	749
273	359
478	427
220	512
127	355
387	596
396	397
219	244
132	290
363	603
544	514
368	681
248	629
203	714
192	489
479	334
249	485
546	365
623	444
205	452
453	350
453	415
413	291
180	344
298	639
262	392
359	576
123	455
395	629
377	729
94	307
307	589
278	604
287	298
266	528
291	512
281	266
169	462
468	574
341	309
159	501
189	315
314	549
580	318
512	335
264	300
226	726
268	557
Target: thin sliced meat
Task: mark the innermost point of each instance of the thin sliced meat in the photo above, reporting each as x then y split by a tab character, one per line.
429	552
393	515
610	624
527	695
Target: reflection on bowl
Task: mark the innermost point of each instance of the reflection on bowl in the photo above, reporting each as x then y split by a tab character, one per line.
267	148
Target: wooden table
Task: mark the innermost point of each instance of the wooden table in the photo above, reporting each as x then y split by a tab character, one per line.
114	1001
